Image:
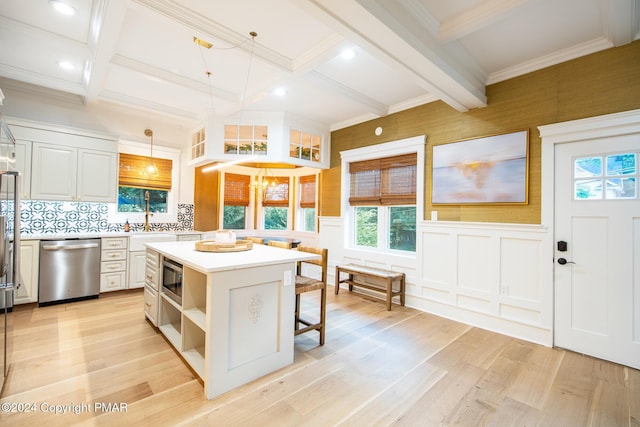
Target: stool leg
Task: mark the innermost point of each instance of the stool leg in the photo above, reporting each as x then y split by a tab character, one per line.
389	291
323	313
336	287
402	289
297	314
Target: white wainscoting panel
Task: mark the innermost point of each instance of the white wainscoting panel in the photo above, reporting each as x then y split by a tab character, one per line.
493	276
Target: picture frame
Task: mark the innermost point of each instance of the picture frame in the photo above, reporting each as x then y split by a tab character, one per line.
486	170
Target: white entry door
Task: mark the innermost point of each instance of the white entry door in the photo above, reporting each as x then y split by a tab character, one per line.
597	274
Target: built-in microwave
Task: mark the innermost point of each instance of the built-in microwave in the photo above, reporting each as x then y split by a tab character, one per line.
172	280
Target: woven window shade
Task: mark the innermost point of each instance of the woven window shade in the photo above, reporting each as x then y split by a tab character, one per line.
278	194
386	181
236	189
132	172
398	180
365	182
308	191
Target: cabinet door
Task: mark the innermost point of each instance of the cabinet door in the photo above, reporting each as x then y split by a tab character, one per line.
54	172
23	165
18	160
29	261
137	269
97	176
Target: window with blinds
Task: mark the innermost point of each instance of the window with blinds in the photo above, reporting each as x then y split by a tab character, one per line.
236	189
277	192
308	191
134	172
385	181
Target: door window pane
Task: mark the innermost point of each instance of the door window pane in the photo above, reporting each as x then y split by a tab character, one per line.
621	164
588	189
621	188
588	167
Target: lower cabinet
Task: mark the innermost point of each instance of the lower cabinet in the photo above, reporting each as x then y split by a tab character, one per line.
29	264
137	266
151	286
113	264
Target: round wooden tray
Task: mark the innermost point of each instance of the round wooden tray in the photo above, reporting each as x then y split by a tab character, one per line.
213	246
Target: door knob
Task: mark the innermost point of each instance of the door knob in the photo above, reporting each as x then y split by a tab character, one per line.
563	261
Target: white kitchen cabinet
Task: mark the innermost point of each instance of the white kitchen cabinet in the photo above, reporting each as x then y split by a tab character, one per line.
18	160
151	286
137	266
29	264
113	265
73	174
189	237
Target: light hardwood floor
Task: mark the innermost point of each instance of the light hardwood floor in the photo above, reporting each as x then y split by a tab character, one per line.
377	368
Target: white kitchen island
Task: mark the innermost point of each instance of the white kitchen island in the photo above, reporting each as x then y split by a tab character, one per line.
236	320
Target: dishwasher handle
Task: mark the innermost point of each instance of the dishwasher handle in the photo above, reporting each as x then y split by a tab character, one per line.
69	247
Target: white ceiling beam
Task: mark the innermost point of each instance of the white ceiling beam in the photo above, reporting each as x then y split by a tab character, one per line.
395	36
621	20
169	77
376	107
106	24
199	22
485	14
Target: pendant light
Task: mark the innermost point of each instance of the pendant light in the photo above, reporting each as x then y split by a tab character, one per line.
151	169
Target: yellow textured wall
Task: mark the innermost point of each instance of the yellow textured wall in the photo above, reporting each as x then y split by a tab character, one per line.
601	83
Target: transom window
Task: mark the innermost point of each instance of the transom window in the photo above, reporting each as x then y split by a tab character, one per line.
606	177
245	139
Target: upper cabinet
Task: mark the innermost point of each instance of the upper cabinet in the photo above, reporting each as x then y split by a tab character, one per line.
261	138
73	174
66	164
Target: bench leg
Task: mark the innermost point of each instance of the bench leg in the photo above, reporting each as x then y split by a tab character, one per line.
336	287
389	292
402	289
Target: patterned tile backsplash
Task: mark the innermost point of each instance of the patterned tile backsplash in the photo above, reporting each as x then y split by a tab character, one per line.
45	217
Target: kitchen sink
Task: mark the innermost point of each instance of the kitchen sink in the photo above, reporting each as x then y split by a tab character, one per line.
137	241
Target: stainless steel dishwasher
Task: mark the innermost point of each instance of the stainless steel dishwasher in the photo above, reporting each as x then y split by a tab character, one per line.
69	270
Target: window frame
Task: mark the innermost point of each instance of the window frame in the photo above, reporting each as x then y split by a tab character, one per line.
171	216
377	151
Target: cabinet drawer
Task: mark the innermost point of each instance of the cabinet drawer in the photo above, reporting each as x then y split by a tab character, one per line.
111	266
112	281
114	255
151	305
153	258
109	243
151	276
189	237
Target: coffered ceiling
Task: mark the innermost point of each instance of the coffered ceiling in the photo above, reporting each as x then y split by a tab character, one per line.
140	54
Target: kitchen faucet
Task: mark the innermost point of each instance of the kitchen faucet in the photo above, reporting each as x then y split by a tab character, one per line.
146	211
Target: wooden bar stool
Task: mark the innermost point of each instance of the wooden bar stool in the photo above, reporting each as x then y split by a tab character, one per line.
280	244
308	284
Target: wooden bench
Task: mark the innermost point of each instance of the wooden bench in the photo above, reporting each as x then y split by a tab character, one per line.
386	276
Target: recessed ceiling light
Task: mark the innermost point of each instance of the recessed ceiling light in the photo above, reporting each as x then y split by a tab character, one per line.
280	91
66	65
348	54
62	7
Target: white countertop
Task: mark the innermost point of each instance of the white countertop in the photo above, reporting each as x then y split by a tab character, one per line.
97	235
208	262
